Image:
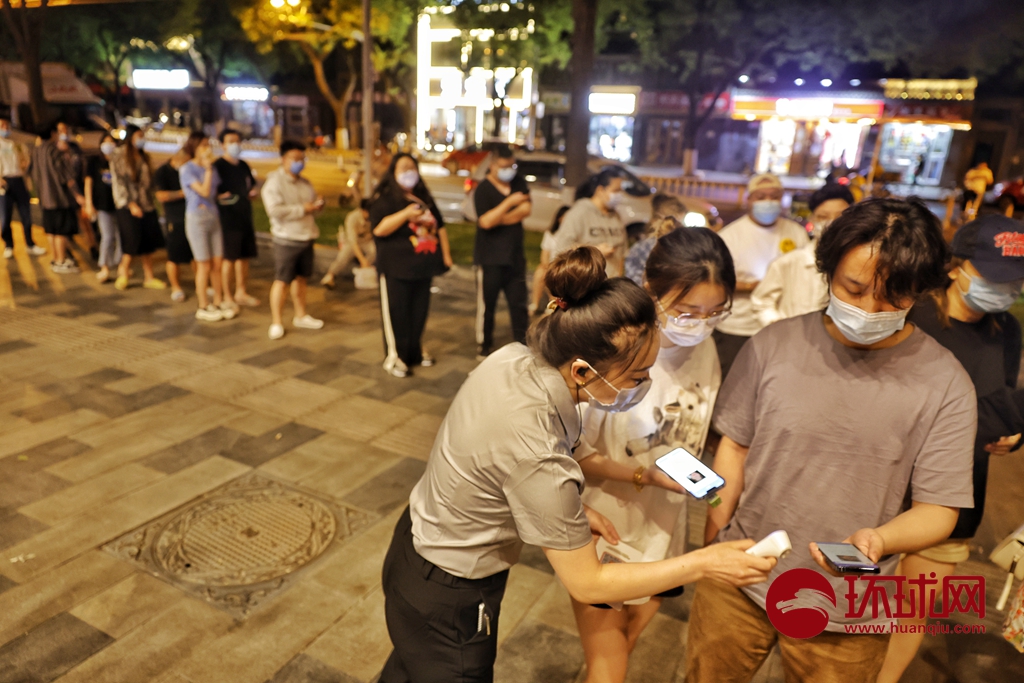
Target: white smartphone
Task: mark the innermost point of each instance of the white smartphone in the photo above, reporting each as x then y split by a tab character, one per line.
697	478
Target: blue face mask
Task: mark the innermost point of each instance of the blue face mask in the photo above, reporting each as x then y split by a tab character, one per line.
140	143
862	327
5	133
233	149
990	297
297	166
766	211
506	175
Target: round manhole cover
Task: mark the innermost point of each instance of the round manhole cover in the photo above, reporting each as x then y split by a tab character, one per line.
245	537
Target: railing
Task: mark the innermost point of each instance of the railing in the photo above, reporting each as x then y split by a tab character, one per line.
713	191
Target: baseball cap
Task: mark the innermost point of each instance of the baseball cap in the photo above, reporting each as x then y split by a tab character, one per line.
994	245
764	181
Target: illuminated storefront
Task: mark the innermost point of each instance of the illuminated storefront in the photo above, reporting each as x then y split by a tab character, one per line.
808	136
455	107
612	120
922	120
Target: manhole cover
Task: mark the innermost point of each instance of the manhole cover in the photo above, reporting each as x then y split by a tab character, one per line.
239	544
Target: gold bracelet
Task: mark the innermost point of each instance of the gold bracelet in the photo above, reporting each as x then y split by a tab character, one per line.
638	475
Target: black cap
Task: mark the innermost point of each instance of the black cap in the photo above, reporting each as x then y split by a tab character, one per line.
994	245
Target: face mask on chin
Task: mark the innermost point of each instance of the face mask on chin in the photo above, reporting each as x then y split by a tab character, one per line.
624	398
861	327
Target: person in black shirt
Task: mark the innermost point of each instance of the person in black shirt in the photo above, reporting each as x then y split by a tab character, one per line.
167	182
237	188
971	319
502	201
412	247
100	207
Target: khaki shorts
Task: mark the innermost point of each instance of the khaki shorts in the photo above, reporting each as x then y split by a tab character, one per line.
953	551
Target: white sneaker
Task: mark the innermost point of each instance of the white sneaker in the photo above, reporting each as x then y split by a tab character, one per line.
276	331
229	310
34	250
210	314
308	322
396	368
70	266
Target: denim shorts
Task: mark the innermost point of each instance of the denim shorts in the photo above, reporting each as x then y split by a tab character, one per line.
202	228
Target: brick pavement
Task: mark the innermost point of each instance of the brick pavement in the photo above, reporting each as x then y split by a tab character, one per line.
118	409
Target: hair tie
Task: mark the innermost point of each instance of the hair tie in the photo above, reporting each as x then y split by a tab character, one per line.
558	302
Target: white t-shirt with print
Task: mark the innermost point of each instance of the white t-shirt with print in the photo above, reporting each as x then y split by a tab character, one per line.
676	412
753	248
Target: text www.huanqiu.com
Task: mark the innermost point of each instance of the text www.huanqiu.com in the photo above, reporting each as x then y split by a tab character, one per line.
927	629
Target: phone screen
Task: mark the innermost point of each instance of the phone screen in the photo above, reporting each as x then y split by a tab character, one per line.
694	476
845	557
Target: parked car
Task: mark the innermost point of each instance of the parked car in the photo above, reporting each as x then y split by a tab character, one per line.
467	159
544	173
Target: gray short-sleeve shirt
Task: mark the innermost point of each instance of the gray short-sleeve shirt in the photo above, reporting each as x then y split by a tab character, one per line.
838	435
501	472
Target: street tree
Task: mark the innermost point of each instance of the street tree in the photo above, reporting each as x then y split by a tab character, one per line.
206	37
26	26
320	27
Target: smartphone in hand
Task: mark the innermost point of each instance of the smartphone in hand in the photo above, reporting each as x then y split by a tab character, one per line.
846	558
698	479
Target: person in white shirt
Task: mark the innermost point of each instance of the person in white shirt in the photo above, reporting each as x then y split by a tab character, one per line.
754	240
793	286
690	277
13	161
593	221
291	202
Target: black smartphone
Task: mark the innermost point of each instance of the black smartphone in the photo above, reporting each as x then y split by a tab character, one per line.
845	558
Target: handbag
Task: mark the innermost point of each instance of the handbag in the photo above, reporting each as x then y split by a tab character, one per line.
1009	555
366	278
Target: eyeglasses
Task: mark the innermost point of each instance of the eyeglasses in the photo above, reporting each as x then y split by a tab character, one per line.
690	320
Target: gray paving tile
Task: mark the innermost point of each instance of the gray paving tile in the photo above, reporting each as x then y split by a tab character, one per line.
389	489
217	440
538	652
14	345
43	455
21	488
446	386
16	527
93	379
50	650
254	451
283	353
326	371
305	669
6	584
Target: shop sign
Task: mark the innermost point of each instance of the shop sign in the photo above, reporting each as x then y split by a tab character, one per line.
927	111
805	108
677	102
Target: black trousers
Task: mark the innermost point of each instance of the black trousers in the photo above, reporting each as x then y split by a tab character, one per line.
440	632
404	305
728	346
17	195
490	282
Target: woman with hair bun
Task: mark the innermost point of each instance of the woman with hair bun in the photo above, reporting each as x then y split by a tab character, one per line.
502	473
690	278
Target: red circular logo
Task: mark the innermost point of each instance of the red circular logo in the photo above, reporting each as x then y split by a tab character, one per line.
798	601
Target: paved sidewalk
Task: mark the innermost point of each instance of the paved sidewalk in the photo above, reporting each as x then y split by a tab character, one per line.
163	482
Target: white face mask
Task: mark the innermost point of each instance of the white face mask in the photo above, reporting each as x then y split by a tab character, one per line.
624	398
108	148
691	332
506	175
820	227
233	149
614	199
862	327
407	179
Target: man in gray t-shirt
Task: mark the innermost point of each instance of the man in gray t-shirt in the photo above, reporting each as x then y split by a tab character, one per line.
828	422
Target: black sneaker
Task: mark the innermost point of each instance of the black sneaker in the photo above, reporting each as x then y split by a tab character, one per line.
482	352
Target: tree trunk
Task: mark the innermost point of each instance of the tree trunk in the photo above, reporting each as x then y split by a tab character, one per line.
584	16
337	104
690	130
26	27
